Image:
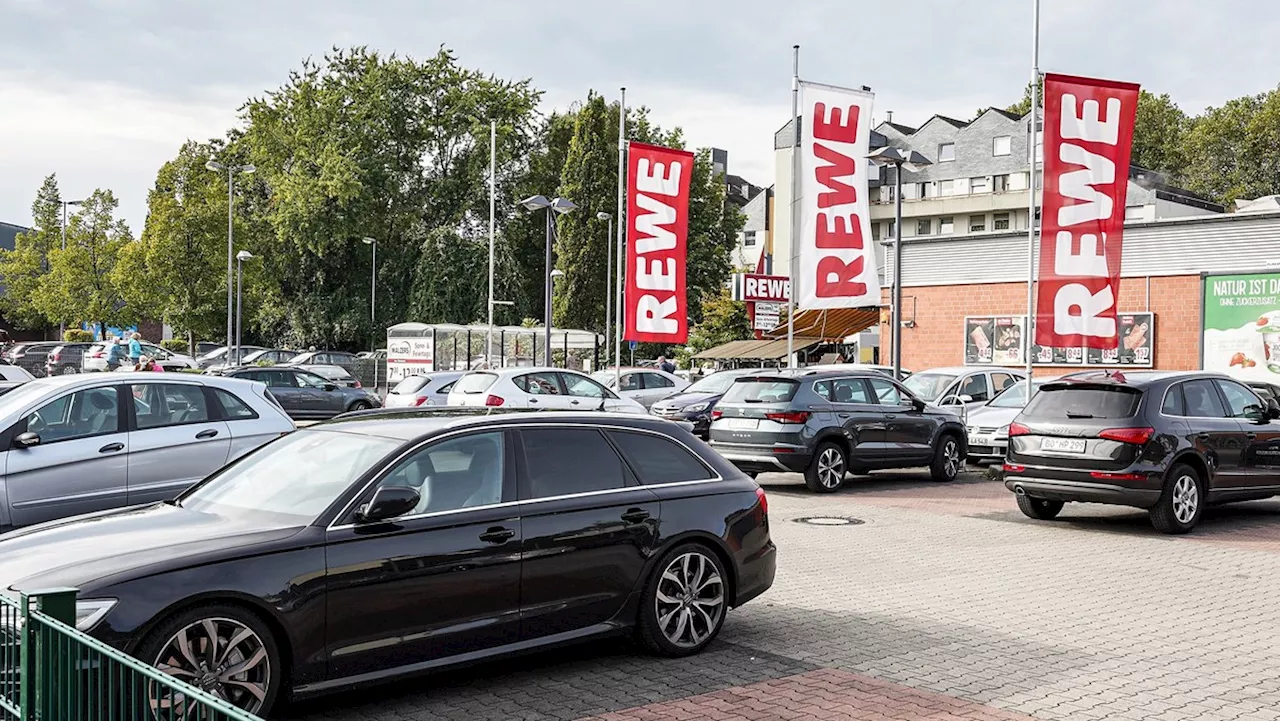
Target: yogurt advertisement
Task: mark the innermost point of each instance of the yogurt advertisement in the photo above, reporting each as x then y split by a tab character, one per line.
1241	325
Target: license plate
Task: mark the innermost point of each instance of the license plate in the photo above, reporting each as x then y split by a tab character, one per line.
1062	445
742	424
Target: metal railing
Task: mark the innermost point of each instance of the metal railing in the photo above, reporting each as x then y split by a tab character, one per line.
49	671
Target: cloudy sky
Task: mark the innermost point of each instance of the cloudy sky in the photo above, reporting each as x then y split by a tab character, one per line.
104	91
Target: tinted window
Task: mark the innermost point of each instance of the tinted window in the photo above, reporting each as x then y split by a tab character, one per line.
276	379
1173	401
454	474
232	407
1240	400
659	460
843	390
168	404
554	470
309	380
975	387
1083	401
1201	399
474	383
761	390
714	383
886	393
653	380
81	414
538	384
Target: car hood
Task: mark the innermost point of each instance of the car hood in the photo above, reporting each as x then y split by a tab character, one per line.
78	551
682	400
988	416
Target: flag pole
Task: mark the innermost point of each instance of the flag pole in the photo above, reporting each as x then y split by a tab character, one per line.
622	225
1031	191
794	215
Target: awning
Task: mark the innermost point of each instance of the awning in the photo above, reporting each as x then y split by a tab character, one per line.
831	325
772	349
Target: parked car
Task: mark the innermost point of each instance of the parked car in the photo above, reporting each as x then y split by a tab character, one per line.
306	395
378	355
95	358
988	424
14	374
695	403
380	546
218	356
272	355
968	386
30	357
903	373
825	424
66	359
1267	391
645	386
544	388
83	443
324	358
1170	443
203	347
427	389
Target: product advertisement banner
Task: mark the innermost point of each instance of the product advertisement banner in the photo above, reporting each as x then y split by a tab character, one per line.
1240	332
997	340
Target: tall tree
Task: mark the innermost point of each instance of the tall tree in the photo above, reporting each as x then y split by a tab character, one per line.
525	233
714	224
1023	106
458	295
25	267
1159	134
81	284
1233	151
723	320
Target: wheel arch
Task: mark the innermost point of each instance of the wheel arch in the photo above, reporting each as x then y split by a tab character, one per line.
717	546
245	602
1190	458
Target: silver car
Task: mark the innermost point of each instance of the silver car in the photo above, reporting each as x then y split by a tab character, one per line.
82	443
987	426
426	389
95	358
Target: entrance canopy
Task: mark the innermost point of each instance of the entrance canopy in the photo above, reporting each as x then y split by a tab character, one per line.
758	350
831	325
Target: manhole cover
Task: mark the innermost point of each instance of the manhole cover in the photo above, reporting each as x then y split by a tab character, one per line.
830	520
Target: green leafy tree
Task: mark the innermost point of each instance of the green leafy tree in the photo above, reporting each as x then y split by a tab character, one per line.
723	320
714	224
25	267
1159	135
1233	151
452	279
81	283
1023	106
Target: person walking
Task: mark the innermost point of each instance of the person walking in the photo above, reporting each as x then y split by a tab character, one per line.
666	365
135	348
115	354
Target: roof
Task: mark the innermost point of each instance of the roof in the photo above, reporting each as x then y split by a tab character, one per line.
904	129
832	325
407	424
771	349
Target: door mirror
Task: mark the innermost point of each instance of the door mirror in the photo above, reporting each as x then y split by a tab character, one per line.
917	404
388	502
330	387
1273	409
26	440
965	399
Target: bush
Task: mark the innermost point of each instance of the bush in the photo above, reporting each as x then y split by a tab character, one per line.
76	335
175	345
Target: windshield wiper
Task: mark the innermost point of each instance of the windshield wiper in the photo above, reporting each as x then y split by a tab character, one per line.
1079	416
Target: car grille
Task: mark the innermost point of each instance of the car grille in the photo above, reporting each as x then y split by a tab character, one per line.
983	430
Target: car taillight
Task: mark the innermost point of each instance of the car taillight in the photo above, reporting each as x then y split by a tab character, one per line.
1103	476
716	414
1017	429
764	502
357	385
1136	436
788	416
494	401
99	354
422	401
1012	468
55	357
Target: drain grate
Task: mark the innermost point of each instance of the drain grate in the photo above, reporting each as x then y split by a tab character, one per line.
830	520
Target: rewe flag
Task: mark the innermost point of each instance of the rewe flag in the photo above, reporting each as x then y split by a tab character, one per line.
656	308
836	261
1088	134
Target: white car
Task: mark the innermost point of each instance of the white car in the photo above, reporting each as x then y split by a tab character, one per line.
967	386
95	359
426	389
988	425
645	386
549	388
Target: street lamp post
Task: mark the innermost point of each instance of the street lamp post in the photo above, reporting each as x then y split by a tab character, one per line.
231	171
608	281
241	257
62	325
556	206
373	288
912	161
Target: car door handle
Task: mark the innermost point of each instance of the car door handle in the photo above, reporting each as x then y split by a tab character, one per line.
533	400
573	403
1202	436
497	535
210	433
111	448
1251	436
635	515
891	415
844	415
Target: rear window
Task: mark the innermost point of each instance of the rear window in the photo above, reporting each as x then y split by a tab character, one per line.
412	384
761	390
474	382
1084	401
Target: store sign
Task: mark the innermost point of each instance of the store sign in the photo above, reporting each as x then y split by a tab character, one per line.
998	340
769	288
657	229
767	316
1088	134
837	267
409	356
1240	327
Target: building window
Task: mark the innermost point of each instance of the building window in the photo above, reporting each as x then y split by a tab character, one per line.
1002	145
979	185
924	190
923	227
749	238
946	152
946	226
1037	216
999	183
977	223
909	191
946	187
1000	221
875	231
891	228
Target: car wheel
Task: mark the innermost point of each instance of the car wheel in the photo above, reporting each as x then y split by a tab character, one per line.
69	370
1040	509
360	406
684	605
946	459
1181	502
825	473
224	650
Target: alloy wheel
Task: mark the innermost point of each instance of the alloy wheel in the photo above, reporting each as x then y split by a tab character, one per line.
951	458
1186	499
830	467
69	370
219	656
689	600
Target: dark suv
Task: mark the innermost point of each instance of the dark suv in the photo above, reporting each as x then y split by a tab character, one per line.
829	423
1167	442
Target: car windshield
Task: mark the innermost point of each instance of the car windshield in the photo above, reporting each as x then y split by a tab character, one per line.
761	390
928	386
1015	396
294	478
412	384
23	395
714	383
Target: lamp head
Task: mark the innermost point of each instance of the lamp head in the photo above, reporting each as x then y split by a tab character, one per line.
536	202
562	205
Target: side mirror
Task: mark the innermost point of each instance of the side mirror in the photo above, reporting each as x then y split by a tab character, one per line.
1273	409
388	502
917	404
965	399
330	387
26	440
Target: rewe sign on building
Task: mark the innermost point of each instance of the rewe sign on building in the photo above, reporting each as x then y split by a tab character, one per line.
1088	135
656	306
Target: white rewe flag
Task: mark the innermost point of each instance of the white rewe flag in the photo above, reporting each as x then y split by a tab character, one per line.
837	266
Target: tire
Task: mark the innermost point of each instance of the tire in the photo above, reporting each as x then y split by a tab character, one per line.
68	370
1181	502
360	406
256	649
669	596
946	459
826	471
1040	509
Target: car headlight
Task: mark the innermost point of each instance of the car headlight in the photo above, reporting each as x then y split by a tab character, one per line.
91	612
697	407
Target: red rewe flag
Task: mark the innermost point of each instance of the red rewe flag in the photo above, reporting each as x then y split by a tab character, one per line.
657	310
1088	134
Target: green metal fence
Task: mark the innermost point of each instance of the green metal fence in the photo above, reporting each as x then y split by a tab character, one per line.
49	671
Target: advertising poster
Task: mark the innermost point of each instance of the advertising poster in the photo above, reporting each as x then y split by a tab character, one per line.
997	340
409	356
1008	341
1137	343
979	345
1240	332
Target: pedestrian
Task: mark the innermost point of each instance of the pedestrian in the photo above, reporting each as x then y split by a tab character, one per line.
666	365
147	363
115	354
135	348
